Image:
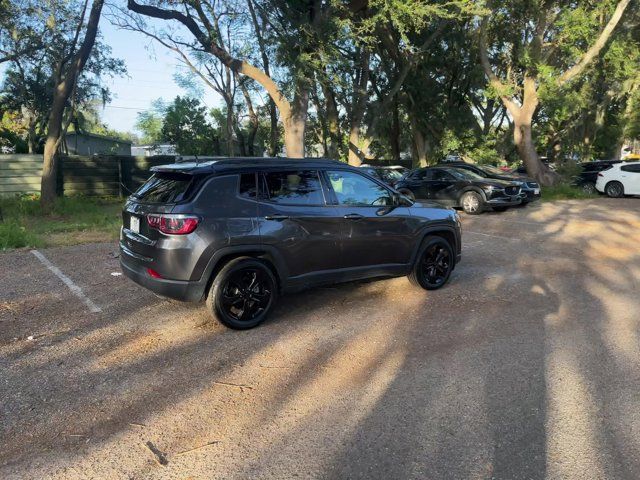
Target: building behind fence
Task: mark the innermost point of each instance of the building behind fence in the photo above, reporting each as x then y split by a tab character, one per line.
96	175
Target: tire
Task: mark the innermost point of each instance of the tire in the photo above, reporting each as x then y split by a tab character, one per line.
614	189
407	193
234	302
589	188
471	203
499	209
434	263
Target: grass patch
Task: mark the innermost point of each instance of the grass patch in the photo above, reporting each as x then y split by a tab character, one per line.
73	220
564	192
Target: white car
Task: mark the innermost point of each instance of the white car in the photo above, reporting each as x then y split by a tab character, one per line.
619	180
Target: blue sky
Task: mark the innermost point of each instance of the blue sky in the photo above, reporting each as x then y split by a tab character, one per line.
150	76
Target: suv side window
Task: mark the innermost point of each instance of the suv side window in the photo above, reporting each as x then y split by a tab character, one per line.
355	190
248	186
631	168
294	187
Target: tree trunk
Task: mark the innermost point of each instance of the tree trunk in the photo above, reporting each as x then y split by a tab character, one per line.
295	122
229	128
395	130
333	121
419	144
525	146
32	136
360	83
50	168
274	134
61	94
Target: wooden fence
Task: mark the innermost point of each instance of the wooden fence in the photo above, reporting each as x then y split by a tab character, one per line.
95	175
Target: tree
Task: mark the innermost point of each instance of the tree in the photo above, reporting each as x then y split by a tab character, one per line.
186	125
294	21
149	123
67	72
526	43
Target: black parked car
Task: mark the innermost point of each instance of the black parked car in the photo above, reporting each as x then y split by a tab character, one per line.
389	175
529	186
240	231
460	188
588	175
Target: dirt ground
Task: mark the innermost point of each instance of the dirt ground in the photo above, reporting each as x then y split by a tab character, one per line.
527	365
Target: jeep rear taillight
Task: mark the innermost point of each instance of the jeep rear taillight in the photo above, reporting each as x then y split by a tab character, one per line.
173	224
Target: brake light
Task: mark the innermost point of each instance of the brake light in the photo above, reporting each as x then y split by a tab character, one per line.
173	224
152	273
600	174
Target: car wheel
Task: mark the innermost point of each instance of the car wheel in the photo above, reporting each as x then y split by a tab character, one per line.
614	189
407	193
434	264
589	188
499	209
243	293
471	203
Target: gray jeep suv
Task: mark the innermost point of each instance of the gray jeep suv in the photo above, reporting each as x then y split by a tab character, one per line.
238	232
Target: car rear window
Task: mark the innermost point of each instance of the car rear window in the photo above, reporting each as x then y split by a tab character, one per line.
164	187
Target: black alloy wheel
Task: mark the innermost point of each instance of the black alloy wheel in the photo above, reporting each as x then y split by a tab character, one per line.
434	264
589	188
243	293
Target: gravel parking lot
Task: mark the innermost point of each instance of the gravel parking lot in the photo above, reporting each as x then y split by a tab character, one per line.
527	365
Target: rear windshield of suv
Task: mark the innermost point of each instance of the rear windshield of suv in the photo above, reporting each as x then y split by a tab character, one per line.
164	187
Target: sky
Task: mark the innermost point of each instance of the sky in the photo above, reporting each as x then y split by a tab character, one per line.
150	70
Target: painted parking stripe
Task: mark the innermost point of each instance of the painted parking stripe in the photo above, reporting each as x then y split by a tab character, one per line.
489	235
75	289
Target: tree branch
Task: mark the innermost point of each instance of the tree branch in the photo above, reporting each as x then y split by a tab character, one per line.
595	49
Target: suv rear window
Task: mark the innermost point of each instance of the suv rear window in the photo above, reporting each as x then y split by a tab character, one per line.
164	187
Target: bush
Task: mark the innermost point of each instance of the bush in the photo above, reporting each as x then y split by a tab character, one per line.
564	191
14	235
24	224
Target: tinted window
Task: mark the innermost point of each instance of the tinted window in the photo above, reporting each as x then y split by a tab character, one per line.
164	187
440	175
464	174
248	185
389	175
354	189
294	188
631	168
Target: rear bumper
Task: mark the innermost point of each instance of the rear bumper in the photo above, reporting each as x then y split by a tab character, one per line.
135	268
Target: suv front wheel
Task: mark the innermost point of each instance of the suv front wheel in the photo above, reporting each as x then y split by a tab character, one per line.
243	293
434	264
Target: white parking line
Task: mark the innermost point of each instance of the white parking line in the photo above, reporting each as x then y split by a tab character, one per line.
77	291
489	235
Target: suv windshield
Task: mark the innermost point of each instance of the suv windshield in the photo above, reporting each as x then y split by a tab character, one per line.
463	174
164	187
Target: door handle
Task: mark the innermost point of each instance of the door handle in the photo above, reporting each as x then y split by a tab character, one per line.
353	216
277	217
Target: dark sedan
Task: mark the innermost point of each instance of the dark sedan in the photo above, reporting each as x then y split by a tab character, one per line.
588	175
529	186
389	175
460	188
